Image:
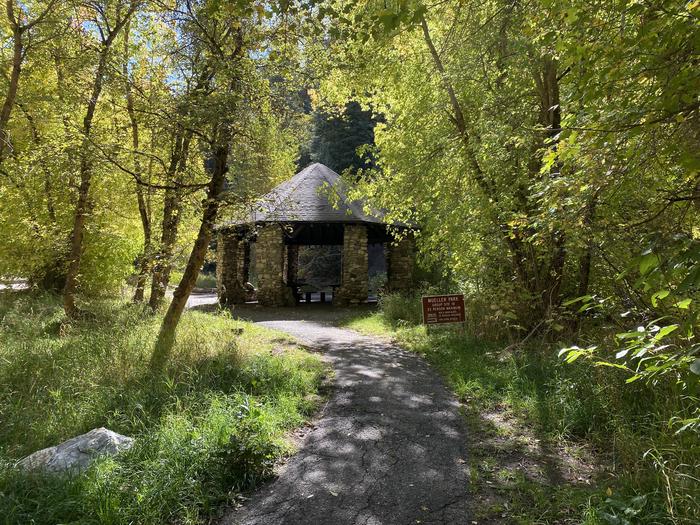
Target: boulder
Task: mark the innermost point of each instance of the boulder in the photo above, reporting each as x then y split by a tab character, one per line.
78	452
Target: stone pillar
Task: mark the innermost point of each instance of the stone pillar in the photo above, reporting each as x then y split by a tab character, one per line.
269	267
231	268
354	273
400	261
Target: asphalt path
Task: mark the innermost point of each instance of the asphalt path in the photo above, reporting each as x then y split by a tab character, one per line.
388	448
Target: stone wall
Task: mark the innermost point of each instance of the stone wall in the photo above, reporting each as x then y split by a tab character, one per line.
354	274
400	263
231	272
270	258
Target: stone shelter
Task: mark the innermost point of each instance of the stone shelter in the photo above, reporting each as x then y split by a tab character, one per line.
311	208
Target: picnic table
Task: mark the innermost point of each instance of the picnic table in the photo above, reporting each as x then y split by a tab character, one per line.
304	289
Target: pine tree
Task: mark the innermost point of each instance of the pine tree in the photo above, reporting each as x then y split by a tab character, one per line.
336	138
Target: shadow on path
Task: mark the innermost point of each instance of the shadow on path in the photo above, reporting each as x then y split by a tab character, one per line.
389	447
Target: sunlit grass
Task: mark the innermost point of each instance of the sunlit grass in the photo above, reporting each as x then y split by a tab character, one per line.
214	425
568	407
372	323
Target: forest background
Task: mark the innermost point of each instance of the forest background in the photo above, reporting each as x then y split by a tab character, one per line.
548	150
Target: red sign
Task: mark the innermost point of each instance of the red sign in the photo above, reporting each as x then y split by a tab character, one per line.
439	309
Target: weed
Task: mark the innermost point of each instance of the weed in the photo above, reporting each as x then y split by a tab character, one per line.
214	426
528	406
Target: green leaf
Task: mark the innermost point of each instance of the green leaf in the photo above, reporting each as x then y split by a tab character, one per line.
684	304
584	298
661	294
647	263
665	331
388	19
629	335
612	365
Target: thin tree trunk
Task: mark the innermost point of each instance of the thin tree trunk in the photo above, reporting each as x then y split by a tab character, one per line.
171	220
584	272
86	165
459	121
82	205
17	58
547	85
145	258
18	50
166	336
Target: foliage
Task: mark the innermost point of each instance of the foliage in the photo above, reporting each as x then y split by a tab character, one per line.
401	309
205	280
338	139
149	95
549	153
212	427
647	469
540	147
665	347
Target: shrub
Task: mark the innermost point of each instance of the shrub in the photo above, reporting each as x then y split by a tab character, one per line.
206	280
401	308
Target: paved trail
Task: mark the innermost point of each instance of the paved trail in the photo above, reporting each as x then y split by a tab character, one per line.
389	447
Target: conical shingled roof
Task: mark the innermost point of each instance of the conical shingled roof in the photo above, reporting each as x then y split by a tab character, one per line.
310	196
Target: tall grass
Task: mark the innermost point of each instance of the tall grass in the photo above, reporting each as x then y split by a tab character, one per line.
214	425
651	472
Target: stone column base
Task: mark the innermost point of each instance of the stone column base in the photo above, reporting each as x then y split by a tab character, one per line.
231	251
354	275
269	265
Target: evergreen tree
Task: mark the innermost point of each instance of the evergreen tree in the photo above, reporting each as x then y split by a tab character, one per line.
336	138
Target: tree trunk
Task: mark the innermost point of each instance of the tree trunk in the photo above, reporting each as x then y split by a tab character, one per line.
515	245
18	49
171	219
17	58
166	336
550	117
163	260
82	205
586	258
145	257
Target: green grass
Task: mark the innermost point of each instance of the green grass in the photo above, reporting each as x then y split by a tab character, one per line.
205	280
539	425
215	425
371	324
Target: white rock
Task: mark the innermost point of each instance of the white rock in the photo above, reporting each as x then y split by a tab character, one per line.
78	452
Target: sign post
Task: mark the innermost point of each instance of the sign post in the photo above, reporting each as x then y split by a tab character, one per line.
441	309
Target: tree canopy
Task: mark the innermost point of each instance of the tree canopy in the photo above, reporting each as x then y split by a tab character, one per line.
549	152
